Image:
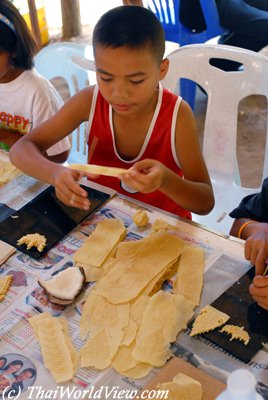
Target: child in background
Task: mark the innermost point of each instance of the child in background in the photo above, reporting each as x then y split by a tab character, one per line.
133	2
136	124
26	98
251	224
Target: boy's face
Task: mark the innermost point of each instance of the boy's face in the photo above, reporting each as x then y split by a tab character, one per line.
128	78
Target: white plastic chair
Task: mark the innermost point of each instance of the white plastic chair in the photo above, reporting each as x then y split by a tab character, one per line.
167	11
224	90
61	60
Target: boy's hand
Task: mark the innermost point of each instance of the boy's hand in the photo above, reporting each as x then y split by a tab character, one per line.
256	248
68	190
259	291
145	176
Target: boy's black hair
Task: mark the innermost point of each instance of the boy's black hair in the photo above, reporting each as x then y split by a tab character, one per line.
130	26
21	43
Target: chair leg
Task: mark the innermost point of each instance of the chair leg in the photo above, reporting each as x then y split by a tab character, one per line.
187	91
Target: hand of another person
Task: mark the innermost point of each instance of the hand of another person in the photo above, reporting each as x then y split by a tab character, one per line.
145	176
259	291
256	248
65	181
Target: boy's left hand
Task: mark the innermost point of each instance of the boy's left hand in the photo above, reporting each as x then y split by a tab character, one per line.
145	176
259	290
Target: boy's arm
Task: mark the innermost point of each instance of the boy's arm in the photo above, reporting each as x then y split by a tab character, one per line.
28	153
59	158
194	192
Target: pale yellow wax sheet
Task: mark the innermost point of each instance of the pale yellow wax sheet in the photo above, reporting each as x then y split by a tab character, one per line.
208	319
131	275
73	353
99	169
6	250
182	387
101	348
98	313
55	351
236	332
8	172
190	275
101	243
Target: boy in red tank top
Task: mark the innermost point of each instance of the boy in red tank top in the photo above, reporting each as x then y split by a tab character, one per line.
136	123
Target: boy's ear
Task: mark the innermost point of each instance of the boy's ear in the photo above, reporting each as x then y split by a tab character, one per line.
163	68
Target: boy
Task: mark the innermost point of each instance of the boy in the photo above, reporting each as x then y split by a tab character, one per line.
136	124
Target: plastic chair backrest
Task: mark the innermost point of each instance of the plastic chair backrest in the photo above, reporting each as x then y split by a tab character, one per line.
167	11
225	90
58	60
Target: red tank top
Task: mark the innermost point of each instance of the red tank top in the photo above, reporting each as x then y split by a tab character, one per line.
159	144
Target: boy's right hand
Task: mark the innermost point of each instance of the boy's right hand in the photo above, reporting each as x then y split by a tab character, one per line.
67	188
146	176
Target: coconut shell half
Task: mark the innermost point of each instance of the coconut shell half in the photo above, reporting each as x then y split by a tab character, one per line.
64	287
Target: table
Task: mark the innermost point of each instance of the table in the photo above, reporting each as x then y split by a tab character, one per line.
25	298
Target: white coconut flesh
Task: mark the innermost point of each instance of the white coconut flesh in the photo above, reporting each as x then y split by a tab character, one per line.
66	285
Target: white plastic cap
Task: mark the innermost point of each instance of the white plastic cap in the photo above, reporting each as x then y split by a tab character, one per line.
241	385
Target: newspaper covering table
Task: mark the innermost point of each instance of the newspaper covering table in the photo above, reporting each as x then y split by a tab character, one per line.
224	264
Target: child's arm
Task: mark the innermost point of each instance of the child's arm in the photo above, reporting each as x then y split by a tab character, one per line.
194	192
28	153
59	158
256	251
256	235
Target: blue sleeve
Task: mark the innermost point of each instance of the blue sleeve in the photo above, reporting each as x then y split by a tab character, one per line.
254	206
